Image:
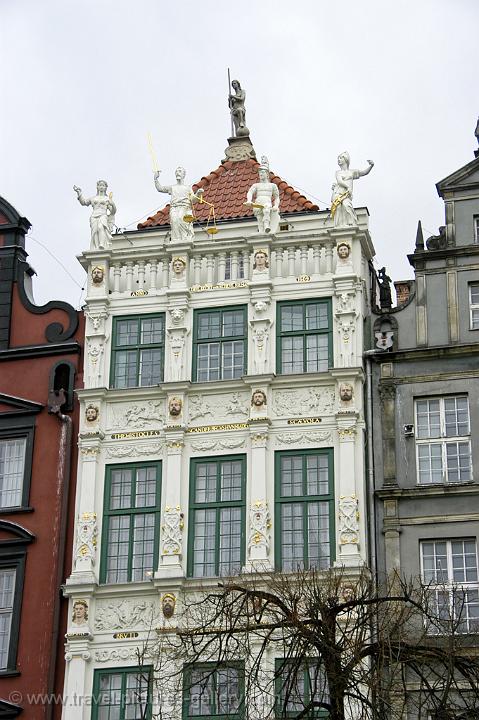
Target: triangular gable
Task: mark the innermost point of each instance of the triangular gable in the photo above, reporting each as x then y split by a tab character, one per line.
226	188
465	177
18	406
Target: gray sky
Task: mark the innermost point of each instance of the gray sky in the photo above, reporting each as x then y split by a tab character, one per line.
83	82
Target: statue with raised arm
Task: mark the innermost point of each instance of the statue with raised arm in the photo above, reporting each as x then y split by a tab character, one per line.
181	205
263	197
237	109
102	218
342	210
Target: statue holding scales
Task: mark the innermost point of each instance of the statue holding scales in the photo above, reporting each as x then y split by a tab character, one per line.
263	197
181	205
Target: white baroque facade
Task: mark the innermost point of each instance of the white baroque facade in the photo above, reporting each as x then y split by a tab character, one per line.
214	391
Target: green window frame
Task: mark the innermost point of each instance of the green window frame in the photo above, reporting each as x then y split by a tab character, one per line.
304	509
212	690
123	693
138	351
297	684
304	339
131	522
220	343
216	542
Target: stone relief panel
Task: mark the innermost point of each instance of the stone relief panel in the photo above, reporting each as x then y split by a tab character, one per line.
137	416
86	538
172	528
303	438
133	450
348	520
135	614
227	408
304	402
260	524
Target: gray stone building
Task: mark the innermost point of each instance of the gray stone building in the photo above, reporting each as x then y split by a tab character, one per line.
424	405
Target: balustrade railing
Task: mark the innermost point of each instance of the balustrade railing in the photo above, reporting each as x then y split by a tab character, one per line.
287	260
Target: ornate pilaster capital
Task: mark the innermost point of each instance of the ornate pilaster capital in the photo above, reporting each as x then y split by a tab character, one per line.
387	392
346	434
259	438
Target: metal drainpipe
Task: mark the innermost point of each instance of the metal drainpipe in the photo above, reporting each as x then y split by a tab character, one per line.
64	465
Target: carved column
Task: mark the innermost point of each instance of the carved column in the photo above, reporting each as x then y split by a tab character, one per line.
348	530
387	396
259	521
171	536
86	522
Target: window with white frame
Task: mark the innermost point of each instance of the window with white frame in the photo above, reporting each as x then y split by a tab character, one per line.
7	592
443	441
449	569
12	467
474	305
476	228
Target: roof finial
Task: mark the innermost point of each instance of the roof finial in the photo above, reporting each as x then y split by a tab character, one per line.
476	133
419	238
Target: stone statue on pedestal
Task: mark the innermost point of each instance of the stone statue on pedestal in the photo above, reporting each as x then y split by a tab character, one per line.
181	205
103	216
263	197
342	210
237	109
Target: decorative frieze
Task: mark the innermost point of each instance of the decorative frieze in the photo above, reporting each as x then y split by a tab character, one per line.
134	614
138	415
305	401
218	444
298	438
228	407
133	450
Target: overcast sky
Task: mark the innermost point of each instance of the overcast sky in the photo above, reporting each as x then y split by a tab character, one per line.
84	81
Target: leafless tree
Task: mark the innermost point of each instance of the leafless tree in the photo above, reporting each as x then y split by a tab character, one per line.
314	643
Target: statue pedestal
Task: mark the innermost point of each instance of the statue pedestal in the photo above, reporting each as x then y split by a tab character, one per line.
239	148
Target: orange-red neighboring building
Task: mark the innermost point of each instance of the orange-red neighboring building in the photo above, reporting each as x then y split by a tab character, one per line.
40	352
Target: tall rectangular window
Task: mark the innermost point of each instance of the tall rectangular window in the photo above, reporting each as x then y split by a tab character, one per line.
443	440
7	596
213	691
476	228
474	305
217	516
304	509
131	522
304	336
219	344
301	689
449	569
12	468
138	351
122	694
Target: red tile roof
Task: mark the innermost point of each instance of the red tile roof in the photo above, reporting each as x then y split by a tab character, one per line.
226	188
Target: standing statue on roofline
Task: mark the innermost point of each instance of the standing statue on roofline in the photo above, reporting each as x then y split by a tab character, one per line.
342	210
181	205
263	197
102	218
238	113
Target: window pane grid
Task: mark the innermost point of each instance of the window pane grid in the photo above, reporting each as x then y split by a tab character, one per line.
138	351
132	535
449	567
442	440
7	590
304	337
217	517
300	686
122	695
304	506
214	692
12	466
220	344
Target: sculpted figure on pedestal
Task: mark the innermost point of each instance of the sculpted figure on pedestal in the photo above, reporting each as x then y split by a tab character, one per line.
342	210
103	216
181	205
263	197
237	109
